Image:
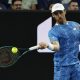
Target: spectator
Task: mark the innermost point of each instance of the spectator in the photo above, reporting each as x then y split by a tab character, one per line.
29	4
73	6
16	5
43	4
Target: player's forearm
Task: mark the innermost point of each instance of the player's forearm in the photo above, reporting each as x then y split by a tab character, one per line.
54	46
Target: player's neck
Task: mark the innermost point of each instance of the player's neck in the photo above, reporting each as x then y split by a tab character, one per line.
63	22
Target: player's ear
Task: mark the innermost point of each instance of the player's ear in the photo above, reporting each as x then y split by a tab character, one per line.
52	15
65	11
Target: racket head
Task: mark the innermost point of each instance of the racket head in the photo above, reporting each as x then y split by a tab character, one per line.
8	58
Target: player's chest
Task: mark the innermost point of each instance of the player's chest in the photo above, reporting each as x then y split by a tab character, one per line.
69	33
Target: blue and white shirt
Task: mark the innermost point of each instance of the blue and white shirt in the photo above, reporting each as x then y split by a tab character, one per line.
68	36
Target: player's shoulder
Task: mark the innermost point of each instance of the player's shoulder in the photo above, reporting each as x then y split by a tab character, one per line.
55	26
73	22
54	29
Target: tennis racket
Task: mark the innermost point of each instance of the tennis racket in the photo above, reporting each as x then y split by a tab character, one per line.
8	58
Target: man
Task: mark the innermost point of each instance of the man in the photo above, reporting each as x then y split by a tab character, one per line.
65	38
16	5
73	6
43	4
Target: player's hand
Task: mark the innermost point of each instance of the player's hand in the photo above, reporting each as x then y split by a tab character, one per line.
43	45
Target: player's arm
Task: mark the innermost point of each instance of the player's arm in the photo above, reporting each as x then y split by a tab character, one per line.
54	46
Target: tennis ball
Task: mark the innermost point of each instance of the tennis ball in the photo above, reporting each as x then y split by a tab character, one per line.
14	50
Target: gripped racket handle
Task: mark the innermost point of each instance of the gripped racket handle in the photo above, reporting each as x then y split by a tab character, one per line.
34	47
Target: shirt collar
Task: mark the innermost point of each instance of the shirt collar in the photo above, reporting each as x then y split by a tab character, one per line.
64	23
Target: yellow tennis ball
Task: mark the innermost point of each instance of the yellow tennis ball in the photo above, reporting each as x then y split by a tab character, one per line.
14	50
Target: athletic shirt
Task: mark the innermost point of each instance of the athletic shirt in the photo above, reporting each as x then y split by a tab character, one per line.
68	36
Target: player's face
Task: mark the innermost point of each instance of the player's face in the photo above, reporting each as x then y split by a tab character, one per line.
59	16
17	5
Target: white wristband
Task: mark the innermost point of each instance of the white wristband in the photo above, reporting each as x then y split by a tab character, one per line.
50	46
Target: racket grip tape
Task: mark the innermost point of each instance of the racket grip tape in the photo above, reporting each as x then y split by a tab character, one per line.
34	47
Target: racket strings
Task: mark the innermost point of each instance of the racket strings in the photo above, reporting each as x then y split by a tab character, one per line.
5	57
8	58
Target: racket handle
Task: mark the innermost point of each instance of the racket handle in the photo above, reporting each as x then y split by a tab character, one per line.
34	47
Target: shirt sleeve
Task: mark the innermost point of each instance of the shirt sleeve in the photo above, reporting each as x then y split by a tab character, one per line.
53	35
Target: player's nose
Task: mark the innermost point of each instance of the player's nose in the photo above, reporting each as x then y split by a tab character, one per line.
59	15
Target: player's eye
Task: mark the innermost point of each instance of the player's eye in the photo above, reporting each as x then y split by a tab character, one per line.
58	12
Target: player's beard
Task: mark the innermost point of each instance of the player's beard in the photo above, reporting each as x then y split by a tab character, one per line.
61	21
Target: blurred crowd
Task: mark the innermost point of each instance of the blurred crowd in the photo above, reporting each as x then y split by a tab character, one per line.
37	4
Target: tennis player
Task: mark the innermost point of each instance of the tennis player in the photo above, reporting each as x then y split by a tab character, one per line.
65	38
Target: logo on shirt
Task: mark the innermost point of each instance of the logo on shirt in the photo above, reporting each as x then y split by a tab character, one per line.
74	29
